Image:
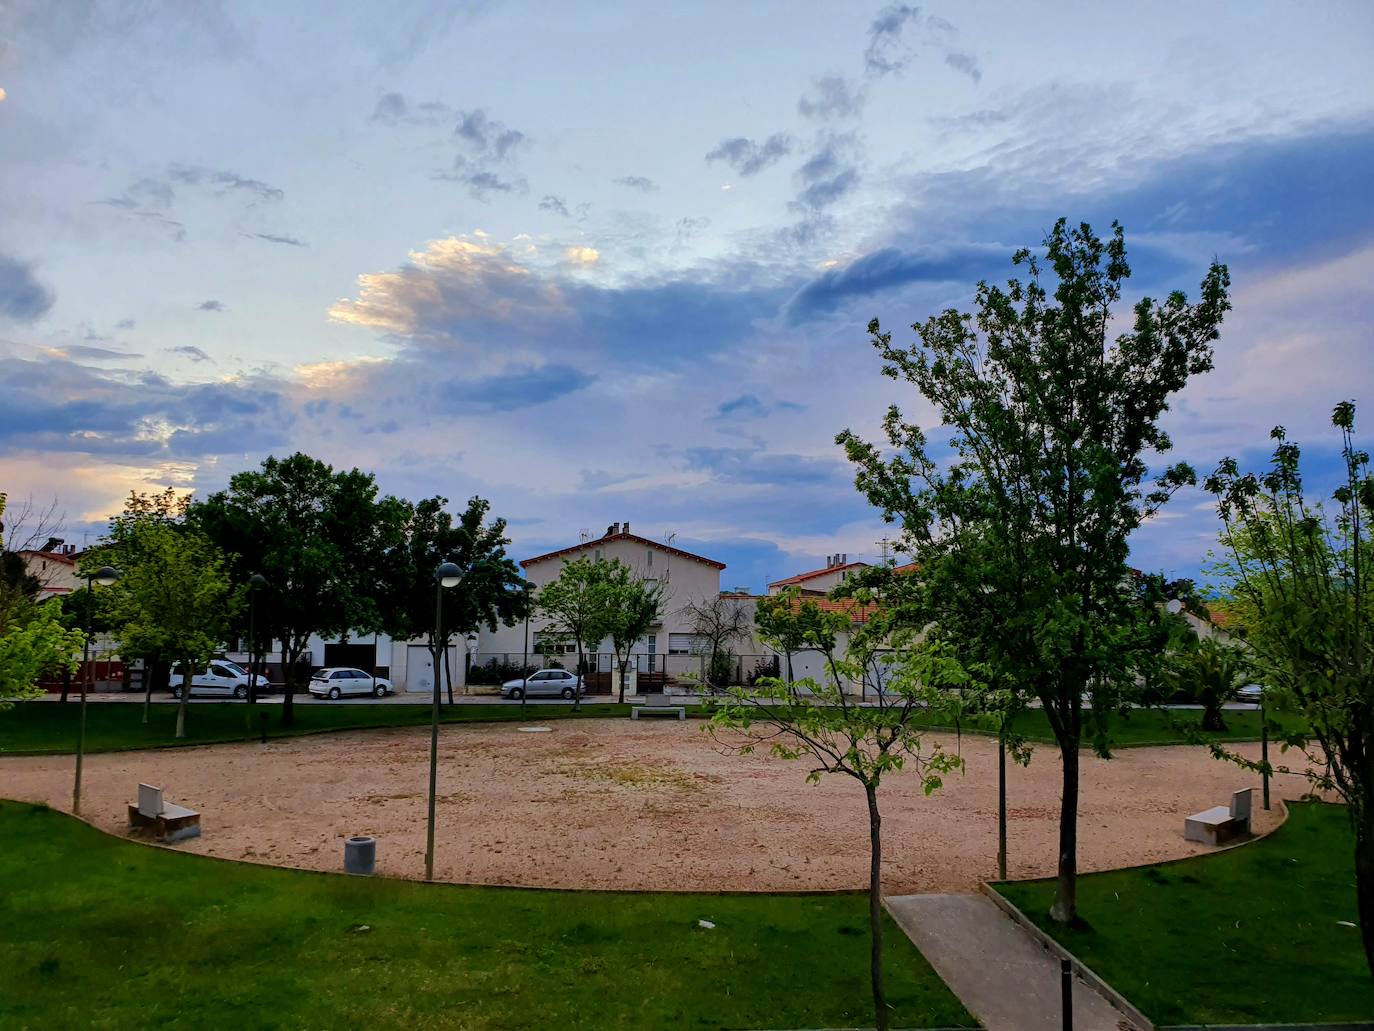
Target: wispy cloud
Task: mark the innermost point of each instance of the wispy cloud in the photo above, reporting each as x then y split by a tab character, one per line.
190	351
638	182
22	297
832	97
210	305
198	175
554	204
288	241
747	157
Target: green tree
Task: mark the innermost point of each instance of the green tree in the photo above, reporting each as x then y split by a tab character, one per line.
33	645
319	538
1209	673
718	622
574	606
777	625
1022	532
630	608
173	598
816	722
1299	580
491	591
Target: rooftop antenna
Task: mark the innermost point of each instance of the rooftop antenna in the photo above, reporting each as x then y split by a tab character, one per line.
885	546
585	534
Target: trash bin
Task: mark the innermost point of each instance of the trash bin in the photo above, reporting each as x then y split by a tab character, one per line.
360	854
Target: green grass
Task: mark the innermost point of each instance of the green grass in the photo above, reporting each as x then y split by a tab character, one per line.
1252	934
96	931
42	728
37	728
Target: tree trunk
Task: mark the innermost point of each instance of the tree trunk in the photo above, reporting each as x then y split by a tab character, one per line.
147	689
581	683
875	908
448	675
1364	881
185	697
1212	718
66	683
1065	907
288	675
622	666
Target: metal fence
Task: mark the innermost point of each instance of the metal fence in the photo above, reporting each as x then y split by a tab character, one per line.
650	670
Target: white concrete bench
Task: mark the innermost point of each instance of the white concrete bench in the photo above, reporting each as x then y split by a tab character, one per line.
680	711
167	821
1221	824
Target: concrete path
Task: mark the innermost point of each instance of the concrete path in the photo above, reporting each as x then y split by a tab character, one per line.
1005	978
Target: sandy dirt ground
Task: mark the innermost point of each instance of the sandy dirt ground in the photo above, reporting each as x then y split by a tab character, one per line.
647	805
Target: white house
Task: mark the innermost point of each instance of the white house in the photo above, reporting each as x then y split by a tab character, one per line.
820	581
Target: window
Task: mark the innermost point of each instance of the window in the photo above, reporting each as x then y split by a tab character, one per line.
649	558
596	555
681	644
653	648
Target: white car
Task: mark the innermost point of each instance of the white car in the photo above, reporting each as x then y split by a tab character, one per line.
337	681
221	677
547	683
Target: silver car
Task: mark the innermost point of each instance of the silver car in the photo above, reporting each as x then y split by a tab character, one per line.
547	683
337	681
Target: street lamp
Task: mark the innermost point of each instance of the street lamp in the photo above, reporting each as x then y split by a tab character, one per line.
104	576
255	583
446	575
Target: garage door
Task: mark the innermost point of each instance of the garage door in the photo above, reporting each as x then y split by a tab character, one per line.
420	669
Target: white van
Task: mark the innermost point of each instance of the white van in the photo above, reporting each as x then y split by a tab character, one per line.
220	677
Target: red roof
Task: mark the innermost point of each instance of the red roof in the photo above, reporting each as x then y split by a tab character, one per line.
817	572
526	563
856	612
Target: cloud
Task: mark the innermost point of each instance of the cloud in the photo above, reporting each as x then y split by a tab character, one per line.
487	163
554	204
966	63
22	297
191	352
522	387
828	174
289	241
637	182
748	406
756	466
394	109
197	175
890	267
581	255
124	324
883	55
749	158
210	305
832	97
90	353
143	194
488	138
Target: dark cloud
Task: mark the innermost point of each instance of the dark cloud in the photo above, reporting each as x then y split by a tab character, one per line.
637	182
488	138
756	466
56	405
555	204
827	175
892	267
749	158
748	406
966	63
91	353
210	305
481	182
197	175
486	164
144	194
22	297
191	352
884	54
520	388
289	241
832	97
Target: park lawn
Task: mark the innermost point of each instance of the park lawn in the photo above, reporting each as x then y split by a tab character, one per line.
1257	933
1141	727
37	728
96	931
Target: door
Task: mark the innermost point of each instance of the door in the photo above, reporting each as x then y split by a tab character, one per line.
220	679
420	669
359	682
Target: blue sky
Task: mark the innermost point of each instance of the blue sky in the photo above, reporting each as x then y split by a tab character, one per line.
614	262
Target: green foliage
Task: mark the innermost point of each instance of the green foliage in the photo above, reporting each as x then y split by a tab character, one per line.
495	671
207	943
629	607
1207	672
32	646
720	668
1256	935
1022	539
574	606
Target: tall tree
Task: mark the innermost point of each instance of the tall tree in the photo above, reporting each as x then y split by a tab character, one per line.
1208	673
491	591
574	606
632	606
316	535
173	598
719	621
816	722
1300	584
33	644
1024	533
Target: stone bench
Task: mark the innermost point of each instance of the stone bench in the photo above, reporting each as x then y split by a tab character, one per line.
1220	824
680	711
168	822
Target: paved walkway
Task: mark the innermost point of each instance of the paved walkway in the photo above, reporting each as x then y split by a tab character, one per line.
1005	978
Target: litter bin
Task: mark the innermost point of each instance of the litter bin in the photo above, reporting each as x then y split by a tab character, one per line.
360	854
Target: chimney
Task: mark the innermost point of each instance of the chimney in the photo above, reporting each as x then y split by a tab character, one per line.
625	528
611	529
54	543
842	559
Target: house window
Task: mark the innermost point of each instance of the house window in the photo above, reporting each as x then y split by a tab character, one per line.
649	558
681	644
653	649
596	555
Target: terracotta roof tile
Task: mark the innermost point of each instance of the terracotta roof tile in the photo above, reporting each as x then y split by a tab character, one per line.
526	563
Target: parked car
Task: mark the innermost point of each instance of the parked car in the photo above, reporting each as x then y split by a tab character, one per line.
220	677
337	681
1250	693
547	683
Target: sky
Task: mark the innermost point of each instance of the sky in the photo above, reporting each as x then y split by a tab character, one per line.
615	262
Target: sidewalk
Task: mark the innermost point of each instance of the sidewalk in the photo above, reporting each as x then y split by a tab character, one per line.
1002	975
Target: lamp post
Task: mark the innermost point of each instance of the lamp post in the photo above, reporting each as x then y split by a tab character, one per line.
525	669
446	575
255	583
104	576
